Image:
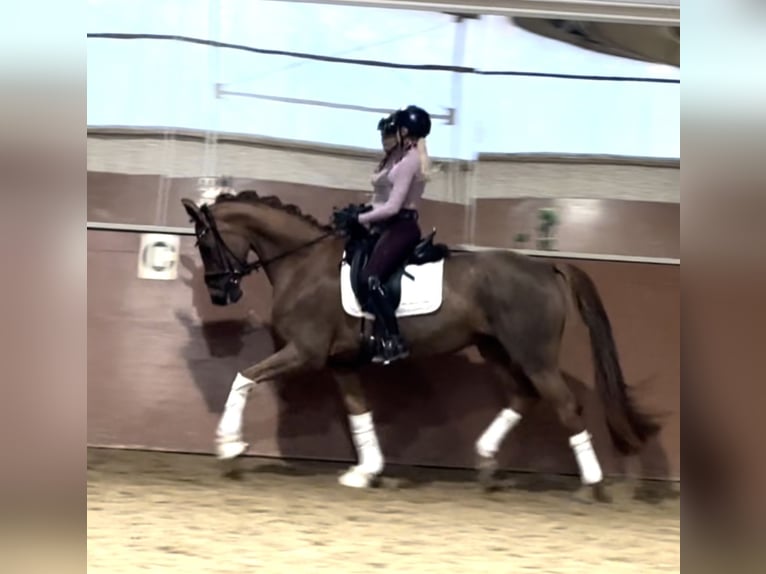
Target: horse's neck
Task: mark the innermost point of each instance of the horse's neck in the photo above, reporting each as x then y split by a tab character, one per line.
275	236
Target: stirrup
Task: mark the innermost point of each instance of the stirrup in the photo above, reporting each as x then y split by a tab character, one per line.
390	350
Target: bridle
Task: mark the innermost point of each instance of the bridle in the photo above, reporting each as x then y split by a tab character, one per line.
234	272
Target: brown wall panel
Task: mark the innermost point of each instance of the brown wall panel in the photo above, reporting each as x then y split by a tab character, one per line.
161	357
603	226
608	226
135	199
161	360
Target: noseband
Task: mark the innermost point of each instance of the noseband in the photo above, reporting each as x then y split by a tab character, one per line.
232	272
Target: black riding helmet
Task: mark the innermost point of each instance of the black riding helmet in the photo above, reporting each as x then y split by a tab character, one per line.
386	126
415	119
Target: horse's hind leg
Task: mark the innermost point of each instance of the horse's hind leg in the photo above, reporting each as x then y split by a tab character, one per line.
550	384
520	398
370	462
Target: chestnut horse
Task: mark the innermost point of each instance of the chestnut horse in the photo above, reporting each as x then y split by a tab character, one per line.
510	306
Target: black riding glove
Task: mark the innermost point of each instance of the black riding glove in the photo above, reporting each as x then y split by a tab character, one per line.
343	219
347	221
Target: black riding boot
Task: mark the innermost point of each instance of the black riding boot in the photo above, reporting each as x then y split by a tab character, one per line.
390	345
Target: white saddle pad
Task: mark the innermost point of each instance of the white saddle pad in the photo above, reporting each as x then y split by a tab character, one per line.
421	294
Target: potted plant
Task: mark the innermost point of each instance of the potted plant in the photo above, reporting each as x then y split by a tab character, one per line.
548	219
520	240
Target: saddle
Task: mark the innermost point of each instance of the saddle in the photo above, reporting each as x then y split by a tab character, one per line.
358	251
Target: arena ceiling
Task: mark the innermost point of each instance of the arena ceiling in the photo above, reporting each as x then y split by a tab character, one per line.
657	44
647	30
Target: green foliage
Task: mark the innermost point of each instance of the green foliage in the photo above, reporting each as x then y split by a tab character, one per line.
521	238
548	218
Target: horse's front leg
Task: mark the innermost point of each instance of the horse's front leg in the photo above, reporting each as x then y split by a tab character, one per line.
229	441
370	462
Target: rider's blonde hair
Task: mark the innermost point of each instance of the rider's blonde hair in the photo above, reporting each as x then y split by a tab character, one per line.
425	161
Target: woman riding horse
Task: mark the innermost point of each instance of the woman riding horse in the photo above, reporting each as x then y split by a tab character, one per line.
398	186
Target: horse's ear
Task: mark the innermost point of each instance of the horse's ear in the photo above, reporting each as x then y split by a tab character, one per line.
192	210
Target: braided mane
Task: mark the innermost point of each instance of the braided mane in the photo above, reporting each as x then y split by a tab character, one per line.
251	196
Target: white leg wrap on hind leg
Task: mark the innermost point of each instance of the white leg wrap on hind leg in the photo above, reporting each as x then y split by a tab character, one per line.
489	442
229	432
590	469
366	443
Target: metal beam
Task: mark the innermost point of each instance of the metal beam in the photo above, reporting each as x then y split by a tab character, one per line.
449	117
649	12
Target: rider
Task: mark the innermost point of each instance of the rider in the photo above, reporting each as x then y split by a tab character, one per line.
400	183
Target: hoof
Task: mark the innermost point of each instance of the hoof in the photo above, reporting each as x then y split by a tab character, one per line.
355	478
589	494
229	449
600	493
486	467
231	469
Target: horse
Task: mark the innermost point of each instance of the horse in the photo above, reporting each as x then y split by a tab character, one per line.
511	307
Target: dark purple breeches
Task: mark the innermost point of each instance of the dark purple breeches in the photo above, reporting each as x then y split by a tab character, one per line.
396	243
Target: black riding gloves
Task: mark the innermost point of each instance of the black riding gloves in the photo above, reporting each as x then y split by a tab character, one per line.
346	220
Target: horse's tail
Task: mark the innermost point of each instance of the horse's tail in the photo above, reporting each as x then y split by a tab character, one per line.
628	427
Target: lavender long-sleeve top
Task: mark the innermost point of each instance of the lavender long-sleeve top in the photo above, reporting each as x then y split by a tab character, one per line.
395	188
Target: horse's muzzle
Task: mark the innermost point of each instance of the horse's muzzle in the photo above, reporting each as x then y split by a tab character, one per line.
234	293
221	297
